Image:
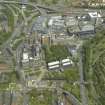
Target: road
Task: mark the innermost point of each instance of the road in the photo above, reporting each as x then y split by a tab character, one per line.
40	8
29	3
21	12
16	32
55	9
72	98
13	12
82	85
26	19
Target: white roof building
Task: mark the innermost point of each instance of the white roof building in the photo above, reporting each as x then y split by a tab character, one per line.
50	23
25	57
66	64
94	15
57	64
65	60
53	63
62	103
53	67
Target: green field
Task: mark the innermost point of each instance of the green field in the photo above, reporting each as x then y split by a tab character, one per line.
70	74
55	52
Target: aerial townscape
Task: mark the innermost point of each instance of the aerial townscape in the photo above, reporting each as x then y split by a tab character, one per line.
52	52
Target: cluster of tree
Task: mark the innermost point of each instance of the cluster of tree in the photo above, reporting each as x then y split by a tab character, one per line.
94	65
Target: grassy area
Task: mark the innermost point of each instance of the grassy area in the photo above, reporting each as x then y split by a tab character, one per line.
43	97
94	67
12	77
70	74
55	52
32	73
74	89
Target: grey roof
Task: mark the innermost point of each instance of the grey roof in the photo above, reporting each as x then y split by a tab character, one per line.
38	25
71	21
87	27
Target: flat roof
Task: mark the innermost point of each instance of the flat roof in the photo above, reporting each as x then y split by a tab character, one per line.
66	64
87	27
55	66
25	56
53	63
65	60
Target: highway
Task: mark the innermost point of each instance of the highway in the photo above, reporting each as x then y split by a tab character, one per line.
21	3
40	8
21	12
29	3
